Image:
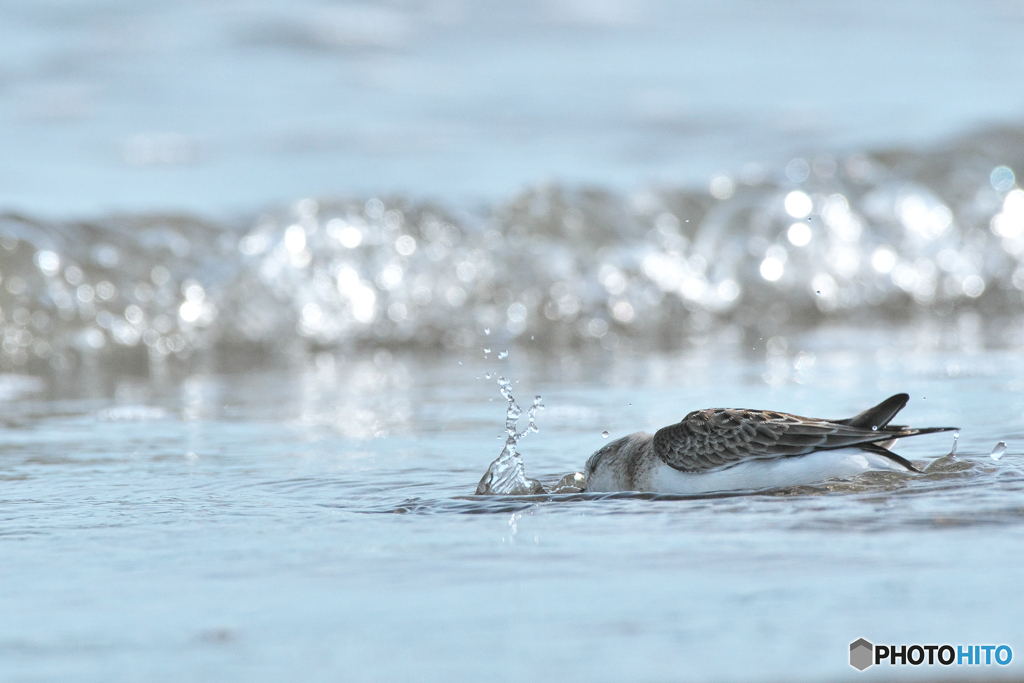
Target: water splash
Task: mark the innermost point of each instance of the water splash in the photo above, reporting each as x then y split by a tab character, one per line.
949	463
998	451
570	483
507	474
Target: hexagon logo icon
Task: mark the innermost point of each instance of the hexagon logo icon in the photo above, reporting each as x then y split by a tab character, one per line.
862	654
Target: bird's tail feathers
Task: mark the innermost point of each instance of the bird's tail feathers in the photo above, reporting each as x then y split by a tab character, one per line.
878	416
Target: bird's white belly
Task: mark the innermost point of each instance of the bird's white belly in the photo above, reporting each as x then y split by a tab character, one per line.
765	474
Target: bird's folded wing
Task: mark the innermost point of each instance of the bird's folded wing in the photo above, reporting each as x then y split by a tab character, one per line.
706	439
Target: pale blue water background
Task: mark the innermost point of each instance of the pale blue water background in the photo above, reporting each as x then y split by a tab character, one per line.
176	505
220	107
248	527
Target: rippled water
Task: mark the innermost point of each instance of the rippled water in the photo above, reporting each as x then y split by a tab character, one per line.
321	519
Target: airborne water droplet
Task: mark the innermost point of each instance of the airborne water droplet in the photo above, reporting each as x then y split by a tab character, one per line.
487	375
487	331
502	355
956	438
998	451
486	351
604	434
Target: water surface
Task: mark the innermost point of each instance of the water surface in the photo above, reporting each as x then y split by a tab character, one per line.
319	519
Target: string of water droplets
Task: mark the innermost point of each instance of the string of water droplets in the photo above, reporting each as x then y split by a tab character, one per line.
507	474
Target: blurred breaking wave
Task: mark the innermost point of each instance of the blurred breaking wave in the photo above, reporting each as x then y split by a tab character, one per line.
885	236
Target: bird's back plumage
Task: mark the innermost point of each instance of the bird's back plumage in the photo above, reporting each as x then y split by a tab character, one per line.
720	438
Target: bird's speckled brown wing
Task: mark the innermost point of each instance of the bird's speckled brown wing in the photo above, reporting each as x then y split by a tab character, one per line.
707	439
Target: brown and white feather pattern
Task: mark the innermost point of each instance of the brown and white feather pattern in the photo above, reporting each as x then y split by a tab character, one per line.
706	439
728	448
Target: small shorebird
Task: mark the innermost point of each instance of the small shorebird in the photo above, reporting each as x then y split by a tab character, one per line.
723	449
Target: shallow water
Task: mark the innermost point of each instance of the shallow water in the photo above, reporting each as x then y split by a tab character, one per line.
320	519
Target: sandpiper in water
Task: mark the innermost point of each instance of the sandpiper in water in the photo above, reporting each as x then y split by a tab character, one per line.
723	449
